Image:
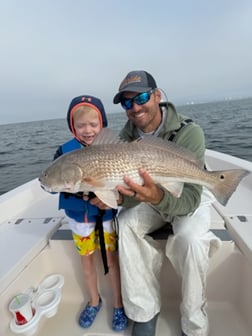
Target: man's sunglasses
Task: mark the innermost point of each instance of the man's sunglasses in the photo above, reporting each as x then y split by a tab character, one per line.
140	99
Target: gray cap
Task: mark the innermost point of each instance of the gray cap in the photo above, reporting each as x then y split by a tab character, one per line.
136	81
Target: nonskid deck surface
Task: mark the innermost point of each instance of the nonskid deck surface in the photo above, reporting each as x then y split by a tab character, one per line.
229	281
224	319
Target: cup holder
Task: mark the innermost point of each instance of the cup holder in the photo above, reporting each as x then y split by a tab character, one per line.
45	301
54	281
48	301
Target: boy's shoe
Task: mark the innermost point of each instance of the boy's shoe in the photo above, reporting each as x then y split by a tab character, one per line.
88	315
120	320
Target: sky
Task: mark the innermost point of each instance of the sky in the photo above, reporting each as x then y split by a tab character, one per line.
54	50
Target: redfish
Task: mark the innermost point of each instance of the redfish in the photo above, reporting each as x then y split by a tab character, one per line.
101	167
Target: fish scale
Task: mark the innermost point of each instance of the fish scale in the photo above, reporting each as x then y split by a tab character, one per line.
126	160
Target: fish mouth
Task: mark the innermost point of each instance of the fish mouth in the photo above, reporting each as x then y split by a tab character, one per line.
45	188
55	190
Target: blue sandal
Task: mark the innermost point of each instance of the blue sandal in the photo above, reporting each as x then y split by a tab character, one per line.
88	315
120	320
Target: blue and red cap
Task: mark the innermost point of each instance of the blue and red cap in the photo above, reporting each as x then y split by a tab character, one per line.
86	100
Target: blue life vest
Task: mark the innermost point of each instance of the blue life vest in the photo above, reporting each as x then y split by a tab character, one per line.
73	204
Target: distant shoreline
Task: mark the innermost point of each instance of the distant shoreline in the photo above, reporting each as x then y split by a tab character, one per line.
189	103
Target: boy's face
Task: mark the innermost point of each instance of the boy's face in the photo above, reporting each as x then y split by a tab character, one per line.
87	125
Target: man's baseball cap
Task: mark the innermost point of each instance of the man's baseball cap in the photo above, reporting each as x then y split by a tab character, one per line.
136	81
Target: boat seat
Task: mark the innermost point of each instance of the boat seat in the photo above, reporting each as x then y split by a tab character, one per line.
218	228
160	234
165	231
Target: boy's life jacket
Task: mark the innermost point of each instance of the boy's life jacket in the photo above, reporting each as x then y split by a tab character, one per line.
73	204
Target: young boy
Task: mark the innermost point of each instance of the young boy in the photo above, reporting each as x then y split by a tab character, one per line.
86	117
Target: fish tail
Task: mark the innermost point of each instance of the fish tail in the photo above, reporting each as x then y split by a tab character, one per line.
226	183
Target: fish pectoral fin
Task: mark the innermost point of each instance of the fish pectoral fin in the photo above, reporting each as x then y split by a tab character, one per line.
109	197
175	188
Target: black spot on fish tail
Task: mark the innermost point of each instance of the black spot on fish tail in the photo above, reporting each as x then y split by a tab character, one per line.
226	183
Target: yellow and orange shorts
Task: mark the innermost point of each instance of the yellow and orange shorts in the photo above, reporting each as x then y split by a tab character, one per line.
86	245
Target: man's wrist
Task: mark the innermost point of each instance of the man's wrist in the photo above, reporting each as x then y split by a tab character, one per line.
161	196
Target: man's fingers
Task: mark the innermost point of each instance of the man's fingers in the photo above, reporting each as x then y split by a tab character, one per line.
145	176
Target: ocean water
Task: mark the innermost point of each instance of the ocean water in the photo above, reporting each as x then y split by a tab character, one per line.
27	148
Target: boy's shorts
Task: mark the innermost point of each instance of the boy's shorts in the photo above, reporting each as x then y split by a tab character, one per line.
87	244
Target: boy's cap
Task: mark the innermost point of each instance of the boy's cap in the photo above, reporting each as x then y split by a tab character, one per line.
86	100
136	81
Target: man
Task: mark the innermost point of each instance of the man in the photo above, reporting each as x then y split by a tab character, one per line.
147	207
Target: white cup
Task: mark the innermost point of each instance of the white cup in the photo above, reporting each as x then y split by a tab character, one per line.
21	308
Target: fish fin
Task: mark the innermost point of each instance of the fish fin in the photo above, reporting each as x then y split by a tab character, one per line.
109	197
226	183
107	136
175	188
172	148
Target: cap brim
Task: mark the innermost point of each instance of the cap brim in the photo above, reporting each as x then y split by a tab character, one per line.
118	96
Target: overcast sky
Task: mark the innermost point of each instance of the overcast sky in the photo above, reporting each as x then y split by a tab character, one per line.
54	50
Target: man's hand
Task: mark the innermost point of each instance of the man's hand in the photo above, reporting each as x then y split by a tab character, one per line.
148	192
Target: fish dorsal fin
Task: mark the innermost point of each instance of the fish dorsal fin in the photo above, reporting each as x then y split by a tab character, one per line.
107	136
171	147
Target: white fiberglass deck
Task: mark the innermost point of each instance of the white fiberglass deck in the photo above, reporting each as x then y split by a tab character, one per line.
229	297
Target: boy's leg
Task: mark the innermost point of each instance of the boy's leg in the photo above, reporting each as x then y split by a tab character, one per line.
114	275
90	276
119	320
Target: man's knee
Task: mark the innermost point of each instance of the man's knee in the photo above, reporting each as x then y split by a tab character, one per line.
182	243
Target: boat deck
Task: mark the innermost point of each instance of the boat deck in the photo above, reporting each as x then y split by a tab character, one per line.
229	302
224	320
225	306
